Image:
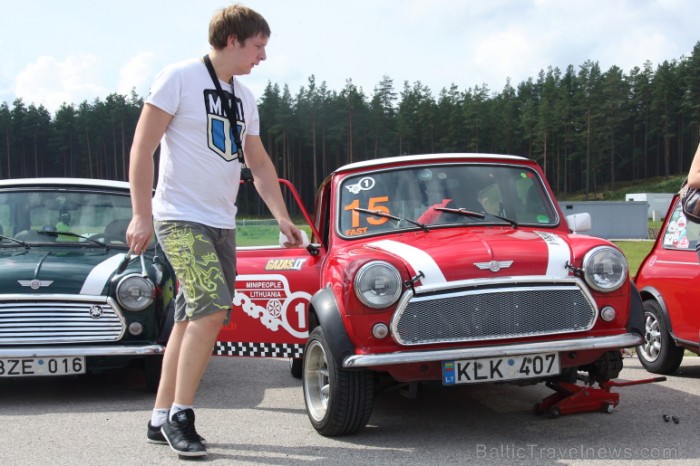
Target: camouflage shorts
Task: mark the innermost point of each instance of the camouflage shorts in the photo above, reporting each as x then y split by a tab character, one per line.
204	259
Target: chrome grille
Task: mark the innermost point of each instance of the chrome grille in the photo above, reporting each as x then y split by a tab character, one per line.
38	320
494	312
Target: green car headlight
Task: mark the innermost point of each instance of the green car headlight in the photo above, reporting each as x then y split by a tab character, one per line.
135	293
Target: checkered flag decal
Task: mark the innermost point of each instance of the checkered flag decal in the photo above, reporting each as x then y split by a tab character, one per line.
263	350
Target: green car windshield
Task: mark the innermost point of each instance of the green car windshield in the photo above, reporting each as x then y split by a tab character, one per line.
49	215
440	196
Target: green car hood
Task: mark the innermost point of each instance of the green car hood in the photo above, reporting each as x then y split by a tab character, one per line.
50	271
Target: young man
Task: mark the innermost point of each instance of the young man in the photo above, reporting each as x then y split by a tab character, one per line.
194	205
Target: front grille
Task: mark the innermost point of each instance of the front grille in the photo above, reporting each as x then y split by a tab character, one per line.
40	320
494	312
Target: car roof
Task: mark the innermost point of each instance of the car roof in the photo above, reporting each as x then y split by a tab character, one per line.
64	182
429	158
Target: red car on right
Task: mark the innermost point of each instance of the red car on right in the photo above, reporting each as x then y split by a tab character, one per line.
669	282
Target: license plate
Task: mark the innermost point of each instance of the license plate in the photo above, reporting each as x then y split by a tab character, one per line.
24	367
499	369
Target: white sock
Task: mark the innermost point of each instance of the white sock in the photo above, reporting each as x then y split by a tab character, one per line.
158	416
175	408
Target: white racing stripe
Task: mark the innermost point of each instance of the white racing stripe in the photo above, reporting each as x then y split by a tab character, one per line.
97	279
420	260
559	254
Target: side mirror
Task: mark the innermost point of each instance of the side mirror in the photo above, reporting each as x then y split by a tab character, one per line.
579	223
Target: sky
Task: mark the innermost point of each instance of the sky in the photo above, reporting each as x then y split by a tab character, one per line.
71	51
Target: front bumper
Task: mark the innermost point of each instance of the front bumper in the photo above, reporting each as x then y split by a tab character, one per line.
626	340
67	351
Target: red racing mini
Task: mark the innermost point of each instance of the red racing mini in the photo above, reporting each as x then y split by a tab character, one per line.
667	280
459	268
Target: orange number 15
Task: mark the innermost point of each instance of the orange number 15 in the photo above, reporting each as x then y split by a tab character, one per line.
375	203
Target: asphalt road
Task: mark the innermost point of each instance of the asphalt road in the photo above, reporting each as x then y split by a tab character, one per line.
251	411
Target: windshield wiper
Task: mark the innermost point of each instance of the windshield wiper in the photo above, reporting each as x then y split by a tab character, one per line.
26	246
379	213
74	235
480	215
462	211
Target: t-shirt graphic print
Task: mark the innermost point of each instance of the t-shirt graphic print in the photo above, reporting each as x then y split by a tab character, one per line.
220	137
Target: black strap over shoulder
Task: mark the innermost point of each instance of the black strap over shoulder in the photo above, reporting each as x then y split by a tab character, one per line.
246	174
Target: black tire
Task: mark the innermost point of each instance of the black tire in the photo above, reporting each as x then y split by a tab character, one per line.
338	402
607	367
296	367
152	366
659	353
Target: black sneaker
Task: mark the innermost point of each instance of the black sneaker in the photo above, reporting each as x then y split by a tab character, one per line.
180	434
156	436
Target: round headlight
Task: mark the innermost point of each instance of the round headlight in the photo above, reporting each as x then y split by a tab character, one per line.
605	268
378	284
135	293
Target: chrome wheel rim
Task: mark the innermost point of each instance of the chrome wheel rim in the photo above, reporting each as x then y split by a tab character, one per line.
651	347
316	381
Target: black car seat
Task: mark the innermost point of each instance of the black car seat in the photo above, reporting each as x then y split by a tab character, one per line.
116	230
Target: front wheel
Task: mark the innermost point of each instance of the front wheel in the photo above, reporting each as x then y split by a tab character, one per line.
338	402
659	353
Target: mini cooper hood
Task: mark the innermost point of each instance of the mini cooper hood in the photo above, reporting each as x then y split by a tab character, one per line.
450	255
49	272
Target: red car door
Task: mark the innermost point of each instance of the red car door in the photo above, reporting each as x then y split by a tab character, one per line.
673	269
274	285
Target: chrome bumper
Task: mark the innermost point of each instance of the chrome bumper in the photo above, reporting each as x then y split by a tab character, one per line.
67	351
591	343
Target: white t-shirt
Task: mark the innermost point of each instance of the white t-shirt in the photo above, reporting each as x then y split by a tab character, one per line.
199	173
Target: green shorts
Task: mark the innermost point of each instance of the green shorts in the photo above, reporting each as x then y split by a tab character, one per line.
204	259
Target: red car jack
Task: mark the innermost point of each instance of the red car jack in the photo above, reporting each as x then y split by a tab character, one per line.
571	398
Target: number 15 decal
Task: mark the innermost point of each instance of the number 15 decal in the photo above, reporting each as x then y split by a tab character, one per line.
375	203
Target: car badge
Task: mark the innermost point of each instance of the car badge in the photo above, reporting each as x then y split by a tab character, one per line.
364	184
493	266
96	312
35	284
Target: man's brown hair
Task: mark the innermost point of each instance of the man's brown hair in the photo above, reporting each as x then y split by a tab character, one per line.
237	20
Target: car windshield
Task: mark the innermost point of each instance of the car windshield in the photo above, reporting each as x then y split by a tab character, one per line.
438	196
35	216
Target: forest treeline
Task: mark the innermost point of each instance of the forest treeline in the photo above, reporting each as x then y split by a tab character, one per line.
588	128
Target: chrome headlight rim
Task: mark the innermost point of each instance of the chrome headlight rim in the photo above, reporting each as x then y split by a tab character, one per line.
363	288
593	256
145	298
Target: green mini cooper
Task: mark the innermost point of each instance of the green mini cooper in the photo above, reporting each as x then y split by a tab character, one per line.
72	298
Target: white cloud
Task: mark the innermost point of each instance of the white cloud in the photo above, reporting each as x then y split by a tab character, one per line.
636	50
436	42
136	74
51	82
511	53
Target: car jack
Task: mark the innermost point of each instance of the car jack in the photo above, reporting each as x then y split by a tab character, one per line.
571	398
